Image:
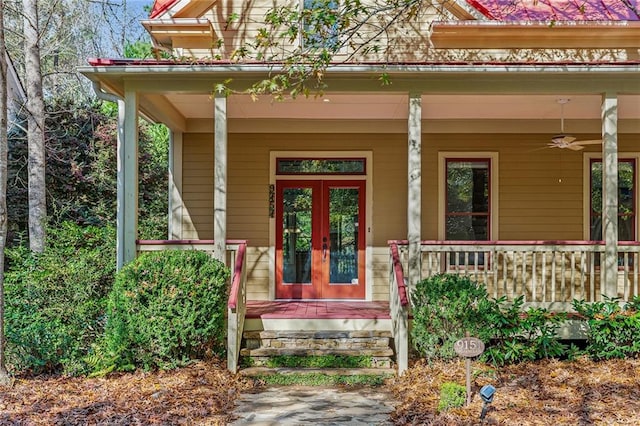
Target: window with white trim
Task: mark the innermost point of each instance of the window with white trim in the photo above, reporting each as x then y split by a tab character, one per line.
468	203
468	199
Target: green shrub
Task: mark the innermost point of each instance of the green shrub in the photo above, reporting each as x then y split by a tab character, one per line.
445	307
452	395
612	328
55	301
165	309
524	336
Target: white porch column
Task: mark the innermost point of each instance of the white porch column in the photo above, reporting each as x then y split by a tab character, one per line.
414	195
127	181
175	186
220	176
610	192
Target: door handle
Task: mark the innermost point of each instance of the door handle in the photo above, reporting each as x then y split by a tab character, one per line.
325	247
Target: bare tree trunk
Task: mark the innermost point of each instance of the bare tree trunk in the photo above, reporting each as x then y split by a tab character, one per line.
4	375
35	134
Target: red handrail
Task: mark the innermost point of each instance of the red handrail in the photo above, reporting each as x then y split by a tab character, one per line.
237	276
397	270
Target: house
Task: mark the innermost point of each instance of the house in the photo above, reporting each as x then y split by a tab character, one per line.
506	146
16	96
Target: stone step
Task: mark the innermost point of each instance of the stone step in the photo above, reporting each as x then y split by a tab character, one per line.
260	346
316	334
320	340
265	371
267	352
370	343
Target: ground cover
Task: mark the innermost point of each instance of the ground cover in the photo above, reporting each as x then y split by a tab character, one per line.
547	392
200	394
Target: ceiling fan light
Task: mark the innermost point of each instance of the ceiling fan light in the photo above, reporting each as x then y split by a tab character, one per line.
562	139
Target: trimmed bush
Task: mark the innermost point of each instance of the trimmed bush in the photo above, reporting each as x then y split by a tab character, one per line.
445	307
612	328
55	301
165	309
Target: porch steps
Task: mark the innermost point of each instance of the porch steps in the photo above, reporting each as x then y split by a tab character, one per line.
266	371
260	346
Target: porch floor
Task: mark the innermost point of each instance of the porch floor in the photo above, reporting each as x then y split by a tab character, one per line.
317	309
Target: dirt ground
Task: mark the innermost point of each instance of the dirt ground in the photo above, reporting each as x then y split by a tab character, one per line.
542	393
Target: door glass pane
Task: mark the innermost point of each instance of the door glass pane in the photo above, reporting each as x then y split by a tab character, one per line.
296	235
343	235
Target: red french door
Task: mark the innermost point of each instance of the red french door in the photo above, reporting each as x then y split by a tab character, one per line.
320	239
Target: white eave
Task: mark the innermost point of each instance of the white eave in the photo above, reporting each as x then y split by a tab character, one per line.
195	33
535	35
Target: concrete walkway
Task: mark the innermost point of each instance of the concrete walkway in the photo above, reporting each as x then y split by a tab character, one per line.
297	405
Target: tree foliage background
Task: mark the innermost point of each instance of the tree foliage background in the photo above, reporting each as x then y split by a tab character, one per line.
56	299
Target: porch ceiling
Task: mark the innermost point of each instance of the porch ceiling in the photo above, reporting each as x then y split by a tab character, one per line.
395	107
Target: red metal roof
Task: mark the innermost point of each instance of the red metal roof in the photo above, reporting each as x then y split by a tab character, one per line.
159	6
559	10
110	62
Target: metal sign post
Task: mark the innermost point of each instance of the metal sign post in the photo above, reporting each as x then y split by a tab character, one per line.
469	347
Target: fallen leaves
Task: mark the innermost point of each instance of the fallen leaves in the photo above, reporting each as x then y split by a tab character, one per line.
549	392
203	394
543	393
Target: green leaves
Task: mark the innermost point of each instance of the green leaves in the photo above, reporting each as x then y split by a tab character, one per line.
445	307
55	301
612	327
165	309
452	395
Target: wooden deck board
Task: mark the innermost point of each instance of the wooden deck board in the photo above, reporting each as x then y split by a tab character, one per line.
317	309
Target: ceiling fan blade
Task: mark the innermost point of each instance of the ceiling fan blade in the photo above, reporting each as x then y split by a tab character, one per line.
574	147
590	142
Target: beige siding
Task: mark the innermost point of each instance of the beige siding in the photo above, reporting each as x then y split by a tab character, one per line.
197	188
248	193
540	189
405	38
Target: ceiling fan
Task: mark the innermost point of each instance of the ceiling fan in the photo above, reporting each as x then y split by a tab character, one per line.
565	141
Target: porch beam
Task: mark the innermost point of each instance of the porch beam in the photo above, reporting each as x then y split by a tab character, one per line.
176	204
610	192
428	80
127	181
220	176
414	193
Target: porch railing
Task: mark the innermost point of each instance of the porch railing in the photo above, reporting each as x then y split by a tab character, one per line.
237	302
399	308
237	307
548	274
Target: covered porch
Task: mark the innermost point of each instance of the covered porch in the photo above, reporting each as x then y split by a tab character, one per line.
222	147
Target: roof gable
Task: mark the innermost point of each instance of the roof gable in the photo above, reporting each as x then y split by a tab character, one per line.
180	8
160	7
559	10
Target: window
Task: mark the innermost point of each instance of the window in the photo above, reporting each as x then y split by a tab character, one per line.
320	24
467	194
321	166
626	199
